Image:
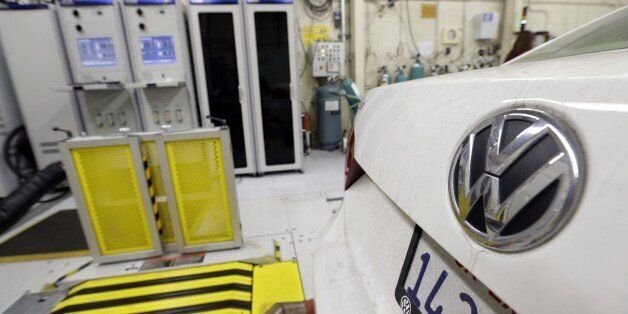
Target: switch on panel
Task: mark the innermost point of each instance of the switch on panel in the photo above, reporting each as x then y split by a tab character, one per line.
328	59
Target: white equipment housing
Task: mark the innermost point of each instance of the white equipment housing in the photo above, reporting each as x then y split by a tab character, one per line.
271	43
96	50
10	119
35	61
159	58
486	25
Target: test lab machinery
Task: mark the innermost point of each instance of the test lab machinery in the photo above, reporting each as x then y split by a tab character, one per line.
35	63
162	74
271	35
96	49
10	119
220	60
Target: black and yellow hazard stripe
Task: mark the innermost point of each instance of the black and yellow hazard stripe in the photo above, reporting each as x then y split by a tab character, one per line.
218	288
151	192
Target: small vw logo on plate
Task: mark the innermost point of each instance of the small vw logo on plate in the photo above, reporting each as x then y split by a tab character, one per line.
516	179
405	305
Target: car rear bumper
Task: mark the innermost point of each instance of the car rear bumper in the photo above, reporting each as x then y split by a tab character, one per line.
359	261
347	277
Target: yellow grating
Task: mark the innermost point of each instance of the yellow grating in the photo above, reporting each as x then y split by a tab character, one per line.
112	197
149	149
200	188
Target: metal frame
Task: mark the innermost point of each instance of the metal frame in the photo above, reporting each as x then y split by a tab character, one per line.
249	16
77	191
182	53
225	139
201	82
153	136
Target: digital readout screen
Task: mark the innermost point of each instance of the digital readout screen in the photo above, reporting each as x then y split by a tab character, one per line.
97	52
157	50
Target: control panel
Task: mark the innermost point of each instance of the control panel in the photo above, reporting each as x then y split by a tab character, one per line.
108	111
157	45
96	49
155	42
328	59
95	44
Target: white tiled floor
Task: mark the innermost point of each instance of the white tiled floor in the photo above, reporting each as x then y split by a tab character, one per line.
322	171
294	203
288	207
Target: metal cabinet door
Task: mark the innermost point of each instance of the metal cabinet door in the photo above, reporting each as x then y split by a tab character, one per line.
271	37
218	49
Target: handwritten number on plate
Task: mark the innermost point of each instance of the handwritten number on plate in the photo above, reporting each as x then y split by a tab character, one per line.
467	298
413	292
430	298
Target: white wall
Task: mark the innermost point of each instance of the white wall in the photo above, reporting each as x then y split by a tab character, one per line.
388	40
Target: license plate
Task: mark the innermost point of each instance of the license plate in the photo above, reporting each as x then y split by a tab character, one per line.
432	281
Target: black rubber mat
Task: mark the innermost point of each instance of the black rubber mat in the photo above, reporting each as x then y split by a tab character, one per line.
57	234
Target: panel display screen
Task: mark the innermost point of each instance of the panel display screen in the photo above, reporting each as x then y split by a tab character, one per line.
97	52
157	50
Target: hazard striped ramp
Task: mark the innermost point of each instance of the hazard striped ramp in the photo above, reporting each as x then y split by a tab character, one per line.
236	287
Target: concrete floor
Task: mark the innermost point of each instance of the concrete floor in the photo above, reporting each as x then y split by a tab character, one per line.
290	208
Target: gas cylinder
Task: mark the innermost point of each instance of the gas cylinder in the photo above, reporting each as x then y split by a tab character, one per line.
401	74
328	116
417	70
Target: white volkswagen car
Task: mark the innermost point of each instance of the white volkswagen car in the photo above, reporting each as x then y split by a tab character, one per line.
496	190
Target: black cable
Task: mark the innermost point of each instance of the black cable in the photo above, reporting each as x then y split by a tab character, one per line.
16	149
16	204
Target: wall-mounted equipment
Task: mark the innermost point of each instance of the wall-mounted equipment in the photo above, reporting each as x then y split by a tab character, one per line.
106	175
221	69
35	62
197	168
451	36
96	49
271	38
328	59
486	25
157	45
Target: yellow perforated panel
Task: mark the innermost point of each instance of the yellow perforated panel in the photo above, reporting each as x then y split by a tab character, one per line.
149	149
200	188
114	203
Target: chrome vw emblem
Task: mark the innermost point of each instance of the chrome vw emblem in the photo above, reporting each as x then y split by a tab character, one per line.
516	179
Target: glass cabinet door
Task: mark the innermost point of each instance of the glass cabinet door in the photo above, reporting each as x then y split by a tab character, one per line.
221	76
273	60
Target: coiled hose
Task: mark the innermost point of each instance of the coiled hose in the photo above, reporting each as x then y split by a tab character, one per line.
33	188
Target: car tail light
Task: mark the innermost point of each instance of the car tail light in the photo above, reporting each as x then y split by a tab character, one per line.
353	170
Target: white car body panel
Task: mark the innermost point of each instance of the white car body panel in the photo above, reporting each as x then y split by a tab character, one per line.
406	136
